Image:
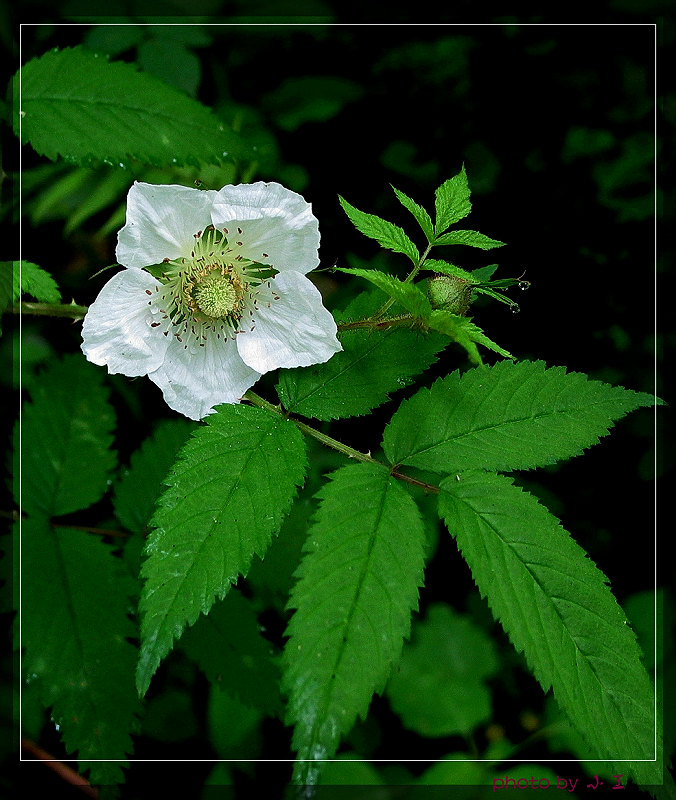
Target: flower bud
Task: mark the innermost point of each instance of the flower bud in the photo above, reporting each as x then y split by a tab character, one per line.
450	293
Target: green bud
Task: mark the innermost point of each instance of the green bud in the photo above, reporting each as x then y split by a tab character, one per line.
450	293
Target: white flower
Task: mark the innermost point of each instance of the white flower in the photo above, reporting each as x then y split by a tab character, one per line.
224	299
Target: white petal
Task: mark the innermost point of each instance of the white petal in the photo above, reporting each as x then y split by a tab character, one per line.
193	383
117	329
295	331
161	223
274	225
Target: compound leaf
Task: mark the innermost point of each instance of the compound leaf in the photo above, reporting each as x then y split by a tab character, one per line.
86	109
357	585
65	439
228	493
385	233
505	417
557	608
75	630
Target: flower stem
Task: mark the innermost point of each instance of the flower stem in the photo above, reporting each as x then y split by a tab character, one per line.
408	279
50	309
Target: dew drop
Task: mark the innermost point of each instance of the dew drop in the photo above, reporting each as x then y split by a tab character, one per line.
515	309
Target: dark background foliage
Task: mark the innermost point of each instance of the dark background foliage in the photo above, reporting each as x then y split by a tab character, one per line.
555	124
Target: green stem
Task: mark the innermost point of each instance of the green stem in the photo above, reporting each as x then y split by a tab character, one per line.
408	279
50	309
378	324
334	444
417	268
350	452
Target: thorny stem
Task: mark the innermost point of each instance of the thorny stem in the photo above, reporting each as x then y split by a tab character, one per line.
378	325
50	309
428	487
408	279
345	449
334	444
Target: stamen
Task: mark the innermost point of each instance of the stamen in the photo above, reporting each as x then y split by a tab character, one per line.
210	292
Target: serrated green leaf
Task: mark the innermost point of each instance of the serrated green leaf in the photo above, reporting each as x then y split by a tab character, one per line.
64	440
439	686
452	202
228	493
75	631
557	609
371	366
80	106
446	268
31	279
470	238
360	378
141	484
408	295
385	233
505	417
227	645
356	588
463	331
421	216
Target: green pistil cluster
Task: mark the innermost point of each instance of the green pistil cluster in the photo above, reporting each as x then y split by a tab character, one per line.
213	290
216	292
212	285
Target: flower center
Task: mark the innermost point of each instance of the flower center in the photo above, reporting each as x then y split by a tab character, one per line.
215	291
216	294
